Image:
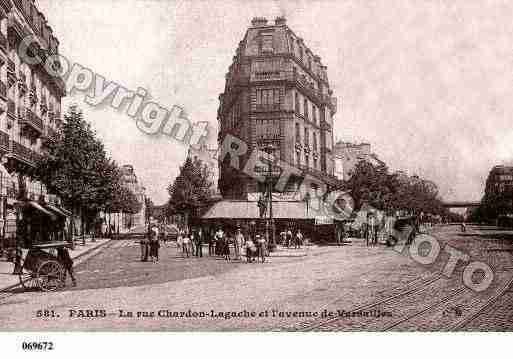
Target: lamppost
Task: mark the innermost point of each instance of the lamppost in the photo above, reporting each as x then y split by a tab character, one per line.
269	149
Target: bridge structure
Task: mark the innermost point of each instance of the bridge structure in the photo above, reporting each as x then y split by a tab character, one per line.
461	204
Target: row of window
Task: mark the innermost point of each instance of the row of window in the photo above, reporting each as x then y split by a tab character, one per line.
306	108
268	96
306	137
307	163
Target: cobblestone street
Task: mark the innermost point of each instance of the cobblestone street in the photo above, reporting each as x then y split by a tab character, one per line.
328	278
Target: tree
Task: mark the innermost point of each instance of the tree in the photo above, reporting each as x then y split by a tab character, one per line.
77	168
373	185
191	188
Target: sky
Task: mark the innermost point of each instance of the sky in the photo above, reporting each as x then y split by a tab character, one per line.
427	83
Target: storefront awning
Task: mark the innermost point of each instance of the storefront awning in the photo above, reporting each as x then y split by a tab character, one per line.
42	209
59	211
230	209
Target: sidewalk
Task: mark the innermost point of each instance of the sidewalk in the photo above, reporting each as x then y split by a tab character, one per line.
9	281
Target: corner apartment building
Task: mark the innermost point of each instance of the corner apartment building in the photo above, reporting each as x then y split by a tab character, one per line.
30	100
277	93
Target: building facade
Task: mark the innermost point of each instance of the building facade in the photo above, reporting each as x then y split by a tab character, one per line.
129	181
347	155
500	182
277	93
30	101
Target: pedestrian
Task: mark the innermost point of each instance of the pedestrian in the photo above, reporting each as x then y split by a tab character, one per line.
179	242
261	247
239	240
154	244
289	238
219	237
250	250
67	262
144	249
186	244
192	242
199	243
299	239
283	237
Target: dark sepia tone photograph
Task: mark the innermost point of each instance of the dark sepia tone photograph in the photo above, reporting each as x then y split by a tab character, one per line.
255	166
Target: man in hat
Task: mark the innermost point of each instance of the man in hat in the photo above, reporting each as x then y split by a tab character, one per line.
239	240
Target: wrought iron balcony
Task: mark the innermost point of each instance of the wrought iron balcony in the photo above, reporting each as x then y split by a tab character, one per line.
3	89
22	153
11	73
267	76
50	134
4	141
22	85
11	109
3	43
31	119
267	107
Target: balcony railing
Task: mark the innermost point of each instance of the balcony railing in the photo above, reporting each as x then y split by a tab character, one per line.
267	107
3	43
22	153
11	108
50	133
11	67
3	89
4	141
31	119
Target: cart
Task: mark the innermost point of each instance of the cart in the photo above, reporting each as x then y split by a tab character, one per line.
41	269
42	233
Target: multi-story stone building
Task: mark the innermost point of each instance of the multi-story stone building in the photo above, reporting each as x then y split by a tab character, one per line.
277	93
500	182
129	181
30	99
347	155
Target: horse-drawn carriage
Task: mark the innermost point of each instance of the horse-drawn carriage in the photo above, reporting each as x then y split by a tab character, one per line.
42	235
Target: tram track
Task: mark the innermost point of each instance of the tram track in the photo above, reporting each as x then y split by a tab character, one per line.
507	287
406	290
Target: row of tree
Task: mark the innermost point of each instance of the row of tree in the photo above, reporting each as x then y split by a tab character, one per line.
78	169
375	186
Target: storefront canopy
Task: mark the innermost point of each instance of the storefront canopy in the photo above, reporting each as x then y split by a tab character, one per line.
59	211
40	208
232	209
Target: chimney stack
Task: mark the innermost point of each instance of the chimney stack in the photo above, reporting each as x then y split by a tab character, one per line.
280	20
259	21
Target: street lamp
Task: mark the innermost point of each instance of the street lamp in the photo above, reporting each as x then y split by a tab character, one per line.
269	149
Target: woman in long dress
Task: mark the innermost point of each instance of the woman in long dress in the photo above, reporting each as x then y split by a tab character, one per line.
186	244
179	243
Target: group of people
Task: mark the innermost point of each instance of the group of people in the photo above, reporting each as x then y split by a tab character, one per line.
288	239
221	244
150	245
190	243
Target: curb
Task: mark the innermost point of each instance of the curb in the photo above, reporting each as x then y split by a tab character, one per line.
12	286
90	250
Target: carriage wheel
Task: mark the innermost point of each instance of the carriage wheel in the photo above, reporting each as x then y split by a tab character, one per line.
51	276
28	280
